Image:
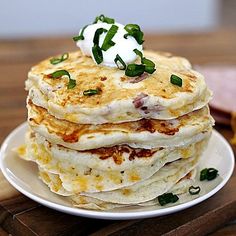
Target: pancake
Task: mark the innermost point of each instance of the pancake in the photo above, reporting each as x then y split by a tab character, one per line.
121	98
161	182
144	133
53	182
142	193
90	171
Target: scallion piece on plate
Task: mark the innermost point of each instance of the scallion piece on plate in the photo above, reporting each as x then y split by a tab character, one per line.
194	190
167	198
176	80
208	174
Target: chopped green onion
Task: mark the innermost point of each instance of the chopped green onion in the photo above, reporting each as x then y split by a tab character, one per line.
208	174
105	19
91	92
97	54
119	59
134	70
134	31
71	84
139	53
63	57
59	73
194	190
81	35
149	65
176	80
107	43
97	34
167	198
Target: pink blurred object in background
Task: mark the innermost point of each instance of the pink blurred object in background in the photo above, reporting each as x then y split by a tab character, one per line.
221	79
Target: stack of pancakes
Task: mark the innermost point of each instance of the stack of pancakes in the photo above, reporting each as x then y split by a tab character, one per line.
136	139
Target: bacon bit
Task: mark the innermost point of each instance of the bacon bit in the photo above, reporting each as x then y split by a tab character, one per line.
138	101
103	78
146	125
71	138
141	153
114	152
139	78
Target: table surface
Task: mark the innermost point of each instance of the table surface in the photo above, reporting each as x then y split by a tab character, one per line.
16	58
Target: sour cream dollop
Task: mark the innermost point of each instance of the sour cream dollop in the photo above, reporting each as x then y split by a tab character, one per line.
123	47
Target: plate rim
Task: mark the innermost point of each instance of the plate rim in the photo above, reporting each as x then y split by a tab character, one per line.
113	215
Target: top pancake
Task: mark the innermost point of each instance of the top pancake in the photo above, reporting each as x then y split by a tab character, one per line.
122	98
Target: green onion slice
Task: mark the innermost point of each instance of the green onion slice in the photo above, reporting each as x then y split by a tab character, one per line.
134	31
194	190
120	63
176	80
63	57
149	65
133	70
97	34
71	84
97	54
81	35
91	92
107	43
208	174
167	198
104	19
59	73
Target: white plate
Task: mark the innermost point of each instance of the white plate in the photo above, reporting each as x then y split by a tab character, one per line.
23	176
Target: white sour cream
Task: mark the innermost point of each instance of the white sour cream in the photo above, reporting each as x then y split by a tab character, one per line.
123	47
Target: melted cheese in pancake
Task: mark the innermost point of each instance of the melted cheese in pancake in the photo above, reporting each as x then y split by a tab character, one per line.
120	99
140	134
88	172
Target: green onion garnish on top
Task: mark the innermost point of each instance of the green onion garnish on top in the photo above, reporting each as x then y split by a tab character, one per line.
81	35
194	190
97	34
59	73
176	80
167	198
134	31
149	65
96	50
107	43
120	63
133	70
97	54
91	92
56	60
104	19
208	174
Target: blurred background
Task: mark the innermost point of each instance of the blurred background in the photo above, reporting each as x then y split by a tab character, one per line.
20	19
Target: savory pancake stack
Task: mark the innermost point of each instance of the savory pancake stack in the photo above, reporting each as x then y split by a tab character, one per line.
113	140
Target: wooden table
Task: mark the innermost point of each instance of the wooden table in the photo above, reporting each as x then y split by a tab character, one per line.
21	216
